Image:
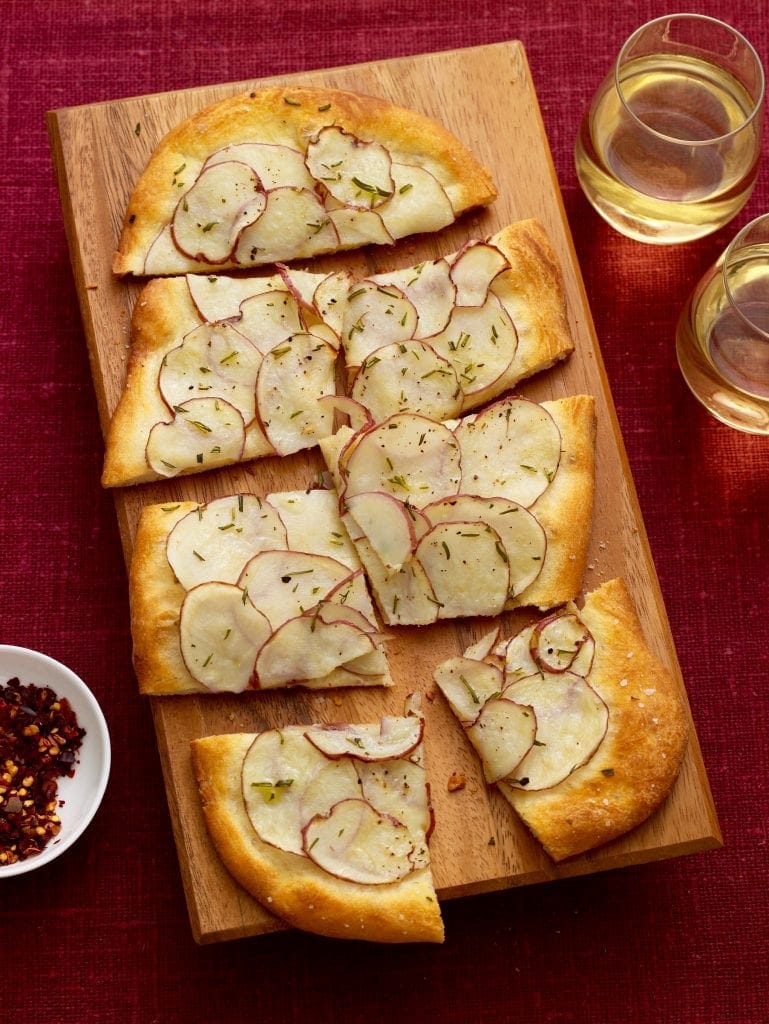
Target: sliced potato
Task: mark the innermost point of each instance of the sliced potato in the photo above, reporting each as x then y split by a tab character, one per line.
269	318
397	788
517	655
220	635
522	537
375	315
285	584
473	269
215	541
208	219
418	203
467	567
407	456
405	597
204	433
356	227
308	648
291	378
480	342
428	286
357	414
274	165
571	723
388	526
355	842
213	361
503	734
510	450
467	685
407	376
218	297
396	737
354	172
294	223
557	641
483	647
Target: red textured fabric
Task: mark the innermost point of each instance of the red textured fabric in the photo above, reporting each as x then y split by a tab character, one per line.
102	935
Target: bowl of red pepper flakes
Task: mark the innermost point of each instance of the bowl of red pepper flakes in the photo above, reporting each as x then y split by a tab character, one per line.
54	759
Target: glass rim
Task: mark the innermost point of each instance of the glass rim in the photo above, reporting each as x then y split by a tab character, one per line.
728	255
693	16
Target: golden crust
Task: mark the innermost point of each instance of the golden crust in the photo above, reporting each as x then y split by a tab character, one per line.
289	116
639	759
565	509
156	599
292	886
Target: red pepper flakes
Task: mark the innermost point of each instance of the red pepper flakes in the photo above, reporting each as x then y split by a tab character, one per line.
39	741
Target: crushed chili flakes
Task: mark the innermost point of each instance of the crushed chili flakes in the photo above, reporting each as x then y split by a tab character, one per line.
39	741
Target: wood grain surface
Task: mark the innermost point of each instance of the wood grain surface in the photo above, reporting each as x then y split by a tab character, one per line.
485	96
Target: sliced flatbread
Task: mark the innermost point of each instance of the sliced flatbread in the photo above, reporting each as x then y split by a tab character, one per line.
333	843
609	727
474	516
286	173
222	370
249	593
450	334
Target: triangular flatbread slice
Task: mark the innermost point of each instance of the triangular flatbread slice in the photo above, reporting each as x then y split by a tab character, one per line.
327	826
472	516
575	720
250	593
287	173
450	334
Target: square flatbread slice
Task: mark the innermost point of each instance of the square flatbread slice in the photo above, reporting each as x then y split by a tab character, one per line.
326	826
576	721
222	370
448	335
251	593
286	173
472	516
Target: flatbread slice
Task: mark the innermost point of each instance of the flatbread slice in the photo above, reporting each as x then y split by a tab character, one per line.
577	723
332	843
472	516
222	370
285	173
247	593
450	334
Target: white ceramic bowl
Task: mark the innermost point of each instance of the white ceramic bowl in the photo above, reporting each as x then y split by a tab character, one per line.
81	794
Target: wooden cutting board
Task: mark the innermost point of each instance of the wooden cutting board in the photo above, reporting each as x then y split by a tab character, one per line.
485	96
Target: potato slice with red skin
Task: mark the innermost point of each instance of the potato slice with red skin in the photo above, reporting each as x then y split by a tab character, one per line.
285	584
218	297
398	788
480	342
395	738
356	227
386	523
418	199
204	433
467	685
213	361
405	597
294	223
333	611
269	319
407	456
355	842
291	378
503	734
408	376
428	286
483	647
557	641
357	414
354	172
286	781
375	315
467	567
516	652
329	299
473	269
274	164
522	536
308	648
224	200
216	540
220	635
571	723
487	439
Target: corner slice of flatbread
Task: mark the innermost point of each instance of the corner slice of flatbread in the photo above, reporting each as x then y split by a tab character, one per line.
247	593
222	370
450	334
286	173
473	516
576	722
333	843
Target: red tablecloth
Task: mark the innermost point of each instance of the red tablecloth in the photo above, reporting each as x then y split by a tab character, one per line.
102	934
